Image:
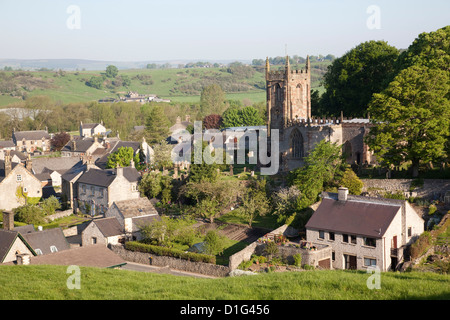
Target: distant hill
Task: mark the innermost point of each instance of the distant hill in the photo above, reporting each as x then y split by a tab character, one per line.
90	65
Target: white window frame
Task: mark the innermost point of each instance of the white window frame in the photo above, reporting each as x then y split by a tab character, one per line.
53	249
19	178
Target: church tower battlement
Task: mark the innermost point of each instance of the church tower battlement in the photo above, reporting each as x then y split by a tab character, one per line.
288	95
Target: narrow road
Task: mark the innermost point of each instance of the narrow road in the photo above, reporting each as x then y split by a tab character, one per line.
162	270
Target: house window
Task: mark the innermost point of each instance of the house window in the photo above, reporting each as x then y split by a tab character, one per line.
369	262
83	187
25	189
353	239
345	238
133	187
409	231
333	256
38	252
101	192
19	177
331	236
321	234
370	242
53	249
94	240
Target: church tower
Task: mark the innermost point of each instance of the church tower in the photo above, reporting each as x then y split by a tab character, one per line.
288	95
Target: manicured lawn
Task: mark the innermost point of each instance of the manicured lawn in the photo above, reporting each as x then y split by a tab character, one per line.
50	282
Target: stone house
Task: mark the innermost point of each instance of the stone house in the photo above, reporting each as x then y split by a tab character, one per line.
132	214
364	231
16	182
98	189
103	231
92	129
31	141
83	146
12	242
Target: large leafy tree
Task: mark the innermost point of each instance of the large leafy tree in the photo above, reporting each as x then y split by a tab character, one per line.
238	117
323	167
122	157
111	71
59	140
412	118
351	79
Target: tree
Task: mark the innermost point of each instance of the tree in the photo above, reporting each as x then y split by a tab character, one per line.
50	205
351	79
29	214
162	156
212	121
255	202
284	201
122	157
111	71
412	118
351	181
322	166
59	140
238	117
157	125
214	243
95	82
212	100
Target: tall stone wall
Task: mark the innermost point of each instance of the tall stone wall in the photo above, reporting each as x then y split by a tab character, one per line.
174	263
431	189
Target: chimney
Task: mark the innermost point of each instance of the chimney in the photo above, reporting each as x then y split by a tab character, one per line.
29	163
8	164
132	163
342	194
74	145
119	171
188	118
8	220
23	259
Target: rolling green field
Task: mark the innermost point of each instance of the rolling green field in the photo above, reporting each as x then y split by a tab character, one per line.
49	283
178	85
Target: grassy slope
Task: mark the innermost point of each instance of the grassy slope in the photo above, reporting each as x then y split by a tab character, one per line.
72	87
49	282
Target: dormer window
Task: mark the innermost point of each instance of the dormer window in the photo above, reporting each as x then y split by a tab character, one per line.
53	249
38	252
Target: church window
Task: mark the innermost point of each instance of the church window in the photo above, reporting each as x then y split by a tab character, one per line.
297	145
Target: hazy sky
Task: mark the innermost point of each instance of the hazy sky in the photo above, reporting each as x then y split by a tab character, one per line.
137	30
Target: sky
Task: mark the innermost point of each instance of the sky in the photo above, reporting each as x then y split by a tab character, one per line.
137	30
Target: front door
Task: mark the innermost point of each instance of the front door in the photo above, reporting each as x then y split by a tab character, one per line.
394	242
349	262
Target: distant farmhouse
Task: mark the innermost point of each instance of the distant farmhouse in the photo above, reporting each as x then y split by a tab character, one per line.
135	97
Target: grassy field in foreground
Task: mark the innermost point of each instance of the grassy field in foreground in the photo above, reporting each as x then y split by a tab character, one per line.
49	283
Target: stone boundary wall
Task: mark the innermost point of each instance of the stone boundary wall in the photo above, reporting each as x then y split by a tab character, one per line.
58	215
431	189
174	263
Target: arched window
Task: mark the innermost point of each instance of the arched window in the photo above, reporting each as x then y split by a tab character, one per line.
297	151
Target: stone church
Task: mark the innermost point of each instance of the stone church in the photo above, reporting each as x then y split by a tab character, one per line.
289	111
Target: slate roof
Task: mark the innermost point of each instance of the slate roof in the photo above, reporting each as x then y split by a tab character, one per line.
81	145
60	164
358	216
7	238
30	135
104	178
44	239
109	226
89	125
89	256
73	172
136	207
6	144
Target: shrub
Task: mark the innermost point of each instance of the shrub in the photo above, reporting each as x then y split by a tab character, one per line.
271	249
297	259
163	251
421	245
308	267
432	209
